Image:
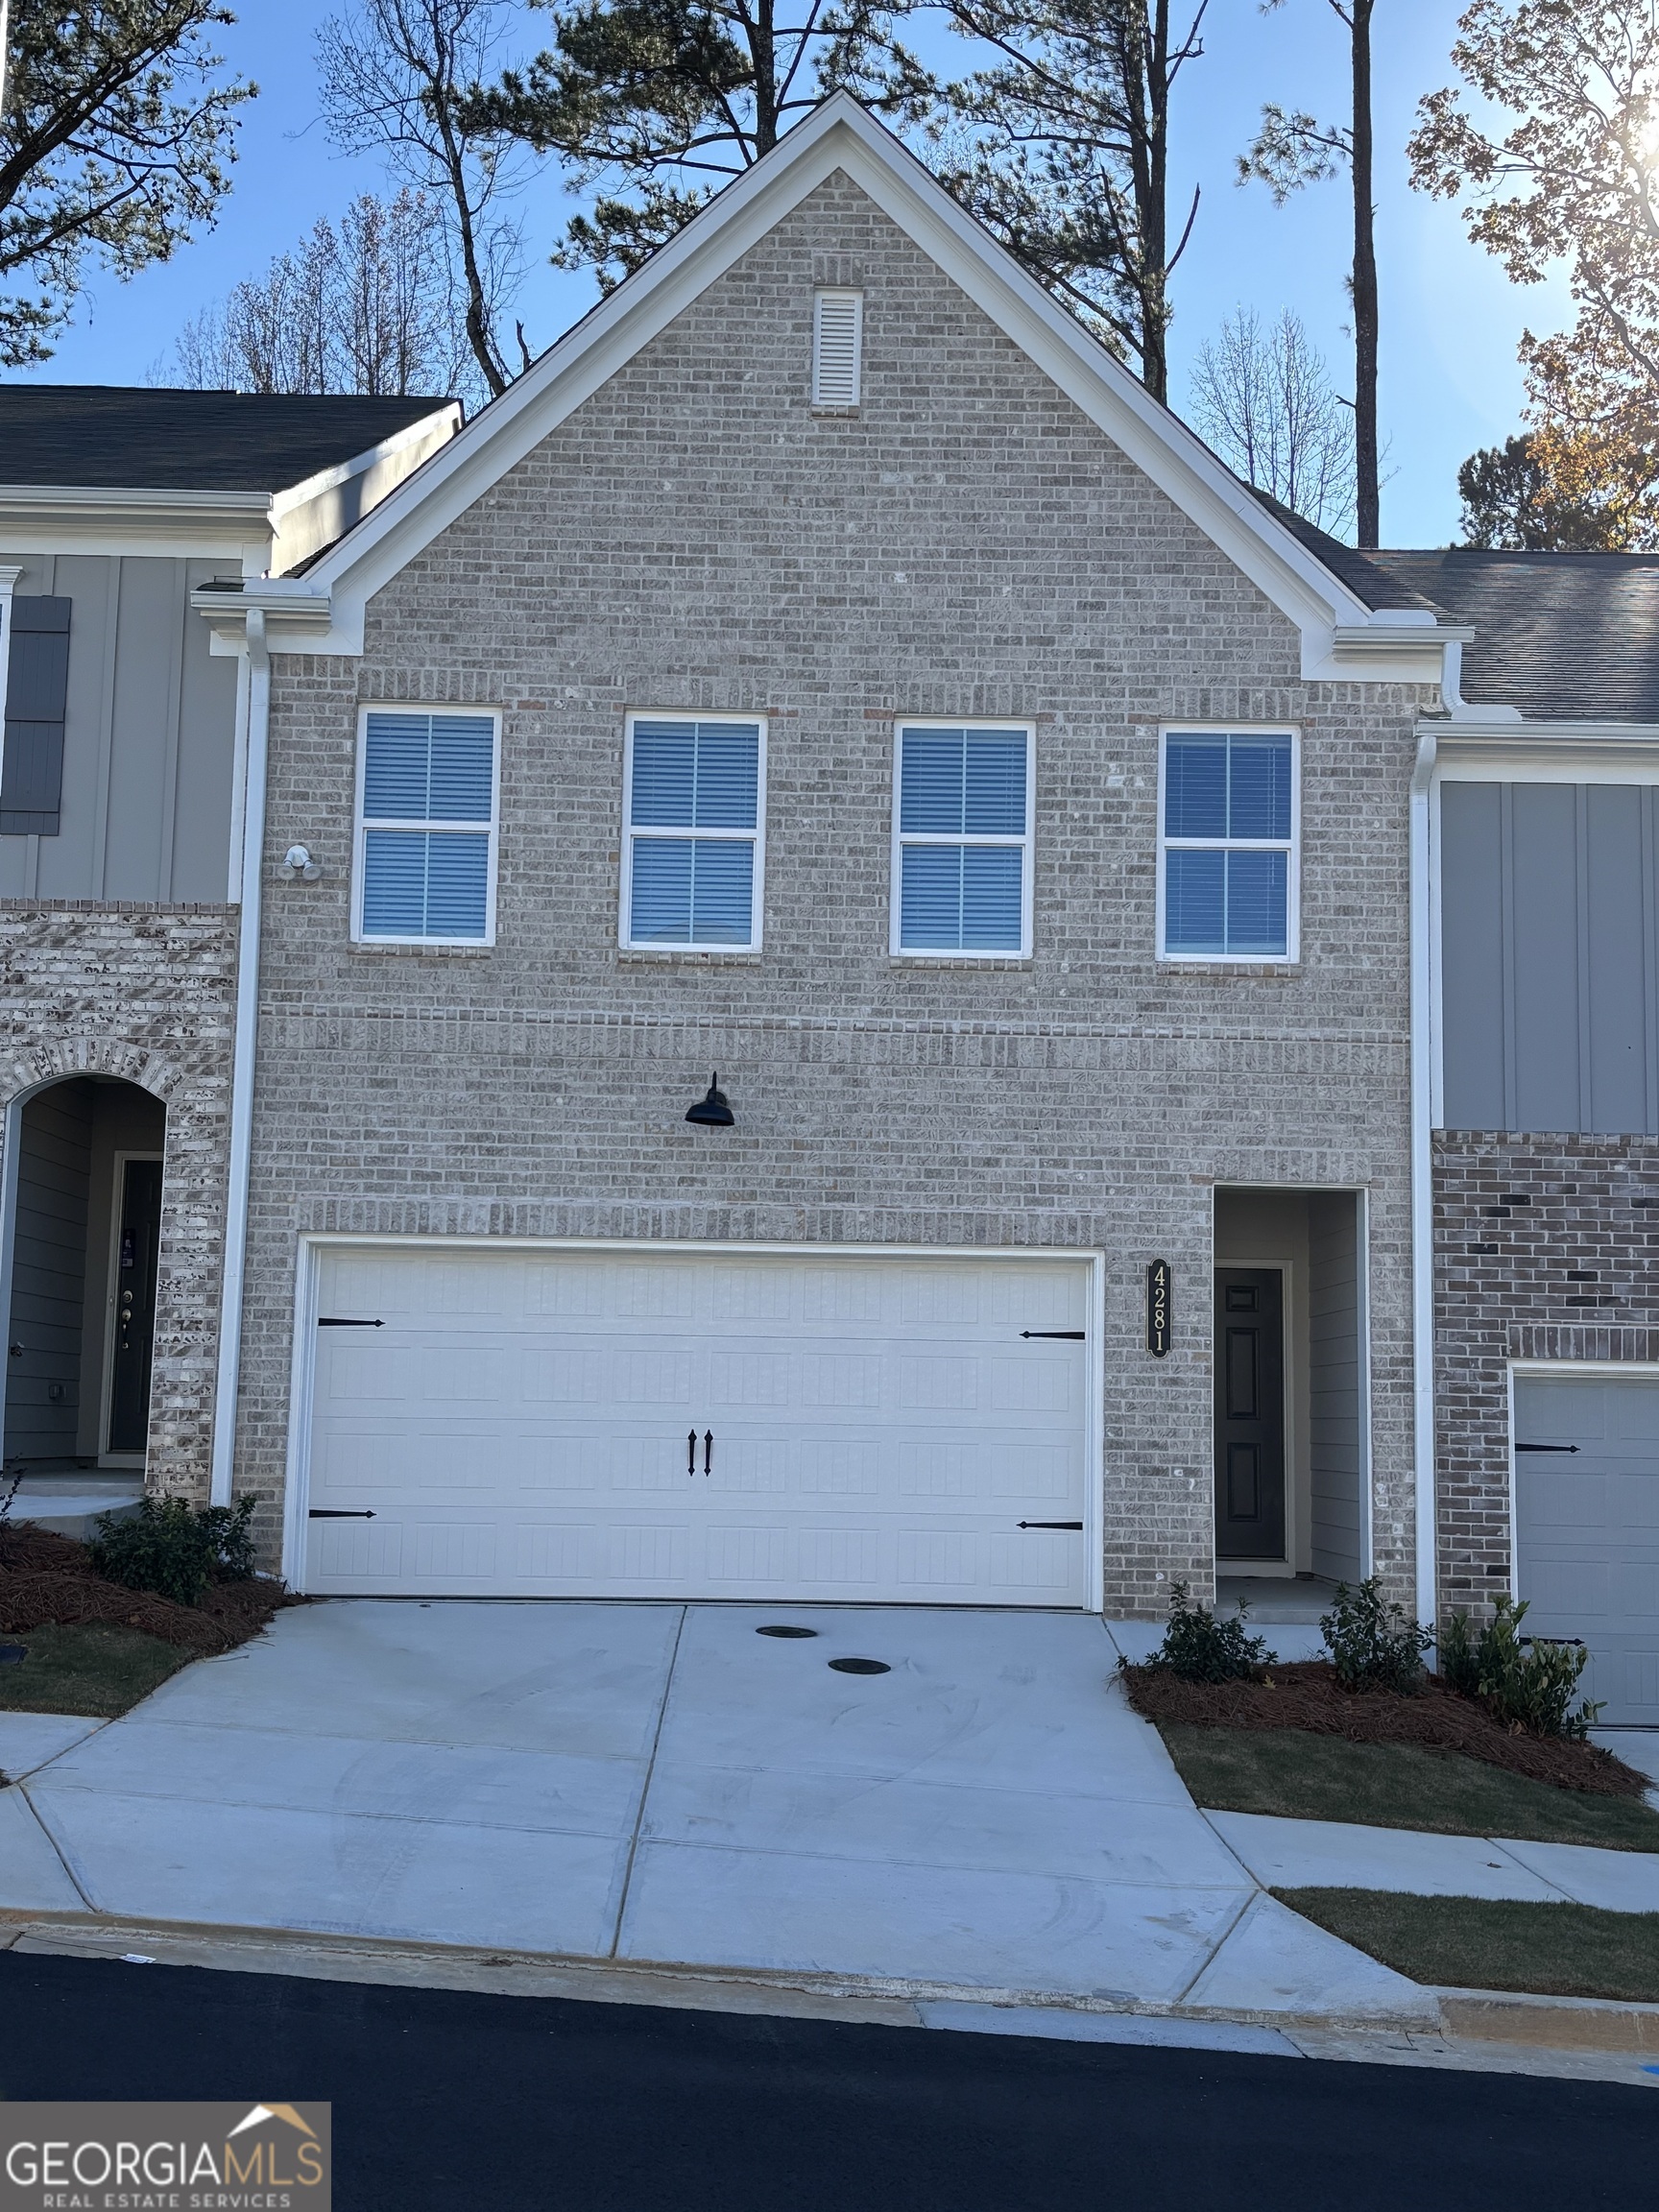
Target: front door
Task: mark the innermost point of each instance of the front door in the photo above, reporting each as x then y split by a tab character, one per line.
135	1255
1249	1413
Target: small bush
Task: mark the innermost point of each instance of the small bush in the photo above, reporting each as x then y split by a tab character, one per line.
174	1550
1374	1645
1527	1682
1198	1647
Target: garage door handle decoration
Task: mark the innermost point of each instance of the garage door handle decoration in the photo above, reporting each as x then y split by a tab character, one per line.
337	1513
692	1451
709	1453
344	1321
1546	1447
1077	1524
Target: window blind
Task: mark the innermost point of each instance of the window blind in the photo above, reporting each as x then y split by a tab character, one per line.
428	825
963	840
693	776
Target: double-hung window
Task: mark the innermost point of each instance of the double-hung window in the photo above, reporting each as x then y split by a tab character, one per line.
426	827
696	809
1228	845
962	839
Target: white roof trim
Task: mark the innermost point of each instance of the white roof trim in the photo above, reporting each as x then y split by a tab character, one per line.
841	135
326	479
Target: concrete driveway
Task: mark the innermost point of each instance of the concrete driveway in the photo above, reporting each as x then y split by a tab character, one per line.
670	1783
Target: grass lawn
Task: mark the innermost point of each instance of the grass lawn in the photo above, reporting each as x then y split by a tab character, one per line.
101	1669
1309	1777
1495	1943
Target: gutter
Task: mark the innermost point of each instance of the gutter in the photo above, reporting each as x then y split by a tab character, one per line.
1422	1043
257	746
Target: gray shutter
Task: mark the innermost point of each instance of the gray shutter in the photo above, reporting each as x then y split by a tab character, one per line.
38	686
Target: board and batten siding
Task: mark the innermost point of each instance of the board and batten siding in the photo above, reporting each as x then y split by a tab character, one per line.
1550	955
148	738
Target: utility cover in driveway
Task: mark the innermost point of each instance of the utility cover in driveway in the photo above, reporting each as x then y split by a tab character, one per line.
1587	1529
624	1423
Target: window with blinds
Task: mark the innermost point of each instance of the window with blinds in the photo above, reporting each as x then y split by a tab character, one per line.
962	839
692	869
837	343
1228	835
426	830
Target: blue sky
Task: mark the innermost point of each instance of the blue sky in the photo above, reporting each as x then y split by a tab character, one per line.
1450	318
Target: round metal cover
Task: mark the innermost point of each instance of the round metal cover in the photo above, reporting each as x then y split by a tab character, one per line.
860	1666
778	1628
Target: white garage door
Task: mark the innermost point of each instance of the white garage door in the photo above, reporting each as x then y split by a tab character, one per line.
645	1425
1587	1529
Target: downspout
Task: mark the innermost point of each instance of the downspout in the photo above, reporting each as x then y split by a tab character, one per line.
242	1060
1423	1180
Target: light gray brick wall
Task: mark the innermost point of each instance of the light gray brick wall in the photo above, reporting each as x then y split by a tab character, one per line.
968	544
147	994
1544	1250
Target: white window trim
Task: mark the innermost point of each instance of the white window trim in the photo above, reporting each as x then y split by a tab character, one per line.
1026	841
838	292
361	827
658	831
1292	952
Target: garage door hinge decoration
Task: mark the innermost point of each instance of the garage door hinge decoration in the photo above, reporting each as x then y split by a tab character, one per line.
343	1321
1071	1335
339	1513
1546	1447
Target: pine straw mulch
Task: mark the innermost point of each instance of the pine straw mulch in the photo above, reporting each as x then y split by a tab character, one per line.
1306	1697
48	1581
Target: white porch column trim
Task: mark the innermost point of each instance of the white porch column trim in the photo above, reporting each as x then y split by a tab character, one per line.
9	575
1423	1048
255	748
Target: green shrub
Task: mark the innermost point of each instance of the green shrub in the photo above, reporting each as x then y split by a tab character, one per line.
174	1550
1374	1645
1200	1648
1527	1681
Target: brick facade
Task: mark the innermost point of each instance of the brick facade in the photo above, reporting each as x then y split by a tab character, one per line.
1541	1252
147	994
968	544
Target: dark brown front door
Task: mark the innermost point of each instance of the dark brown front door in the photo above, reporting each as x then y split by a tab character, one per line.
135	1253
1249	1413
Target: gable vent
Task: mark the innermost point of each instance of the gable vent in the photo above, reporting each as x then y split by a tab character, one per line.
837	335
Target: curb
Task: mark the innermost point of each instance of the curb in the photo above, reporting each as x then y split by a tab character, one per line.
1549	2023
895	2001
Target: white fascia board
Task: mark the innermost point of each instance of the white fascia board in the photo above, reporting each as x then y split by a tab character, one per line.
1585	751
118	521
292	610
841	135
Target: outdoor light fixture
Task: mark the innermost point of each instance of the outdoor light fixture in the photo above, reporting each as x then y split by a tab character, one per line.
712	1112
298	862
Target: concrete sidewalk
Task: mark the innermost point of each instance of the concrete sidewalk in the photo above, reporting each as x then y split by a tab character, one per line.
645	1783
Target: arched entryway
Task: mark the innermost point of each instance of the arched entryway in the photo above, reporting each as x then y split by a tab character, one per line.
81	1236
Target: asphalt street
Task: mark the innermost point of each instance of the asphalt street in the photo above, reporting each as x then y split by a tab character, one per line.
453	2101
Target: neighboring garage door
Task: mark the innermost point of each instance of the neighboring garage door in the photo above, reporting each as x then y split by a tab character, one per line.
875	1428
1587	1529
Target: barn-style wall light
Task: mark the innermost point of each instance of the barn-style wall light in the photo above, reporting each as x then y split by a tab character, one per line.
712	1110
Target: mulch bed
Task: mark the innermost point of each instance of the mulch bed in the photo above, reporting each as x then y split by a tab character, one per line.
47	1579
1307	1696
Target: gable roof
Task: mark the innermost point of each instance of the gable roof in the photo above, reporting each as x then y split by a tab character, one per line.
1569	636
1343	633
114	437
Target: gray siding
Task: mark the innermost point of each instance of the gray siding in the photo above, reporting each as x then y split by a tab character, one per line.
49	1274
148	740
1334	1321
1550	909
